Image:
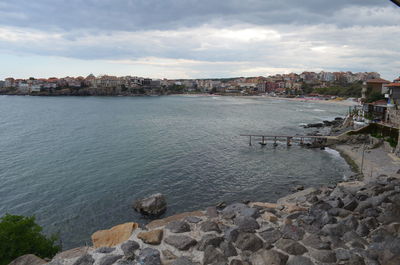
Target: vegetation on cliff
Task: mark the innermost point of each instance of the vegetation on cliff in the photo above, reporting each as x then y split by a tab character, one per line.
20	235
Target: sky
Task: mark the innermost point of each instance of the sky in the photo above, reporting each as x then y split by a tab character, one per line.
197	39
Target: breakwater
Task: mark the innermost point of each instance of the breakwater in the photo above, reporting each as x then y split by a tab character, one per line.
350	223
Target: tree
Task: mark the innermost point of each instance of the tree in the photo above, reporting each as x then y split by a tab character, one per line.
20	235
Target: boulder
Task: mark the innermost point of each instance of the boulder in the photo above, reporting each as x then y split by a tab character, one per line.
72	253
239	209
149	256
214	256
248	241
113	236
264	257
209	240
209	226
153	237
129	248
109	259
84	260
177	217
292	232
246	224
155	204
291	247
178	227
105	250
228	249
28	259
183	261
271	236
326	256
299	260
180	242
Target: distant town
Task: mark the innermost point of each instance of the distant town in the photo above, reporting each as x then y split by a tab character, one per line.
326	84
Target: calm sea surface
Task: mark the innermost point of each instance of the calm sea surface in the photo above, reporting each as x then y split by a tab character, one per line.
77	163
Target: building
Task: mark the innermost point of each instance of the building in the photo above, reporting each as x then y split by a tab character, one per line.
376	85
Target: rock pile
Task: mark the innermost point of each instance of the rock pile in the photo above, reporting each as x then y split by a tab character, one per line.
353	223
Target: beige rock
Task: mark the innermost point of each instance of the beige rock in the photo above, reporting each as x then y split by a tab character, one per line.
298	196
270	217
264	205
28	259
290	208
72	253
113	236
152	237
177	217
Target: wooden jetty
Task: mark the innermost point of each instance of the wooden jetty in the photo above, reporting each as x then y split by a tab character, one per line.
289	139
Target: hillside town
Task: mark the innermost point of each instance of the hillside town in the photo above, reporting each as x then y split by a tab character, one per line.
280	84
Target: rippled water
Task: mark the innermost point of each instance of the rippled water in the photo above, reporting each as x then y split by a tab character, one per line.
77	163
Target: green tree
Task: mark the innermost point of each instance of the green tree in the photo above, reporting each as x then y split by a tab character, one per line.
20	235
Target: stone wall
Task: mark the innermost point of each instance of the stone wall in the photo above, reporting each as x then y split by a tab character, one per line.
393	117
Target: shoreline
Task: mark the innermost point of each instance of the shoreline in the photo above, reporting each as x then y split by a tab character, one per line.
262	232
308	100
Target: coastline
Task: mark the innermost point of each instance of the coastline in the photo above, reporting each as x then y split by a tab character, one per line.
308	100
314	226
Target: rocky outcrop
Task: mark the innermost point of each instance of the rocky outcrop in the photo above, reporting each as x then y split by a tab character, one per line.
113	236
155	204
29	259
352	223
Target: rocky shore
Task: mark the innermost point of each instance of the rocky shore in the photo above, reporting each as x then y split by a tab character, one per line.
356	222
351	223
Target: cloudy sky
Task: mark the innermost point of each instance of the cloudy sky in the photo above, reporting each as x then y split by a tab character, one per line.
197	39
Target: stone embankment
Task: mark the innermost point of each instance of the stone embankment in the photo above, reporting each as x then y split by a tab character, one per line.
352	223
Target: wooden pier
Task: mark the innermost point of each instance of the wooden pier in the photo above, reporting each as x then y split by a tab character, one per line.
309	140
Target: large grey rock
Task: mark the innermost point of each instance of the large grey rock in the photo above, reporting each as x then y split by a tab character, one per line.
231	234
149	256
105	250
239	209
183	261
246	224
178	227
271	236
86	259
228	249
299	260
28	259
326	256
315	241
264	257
212	212
209	240
214	256
129	248
292	232
291	247
155	204
335	229
209	226
180	242
109	259
248	241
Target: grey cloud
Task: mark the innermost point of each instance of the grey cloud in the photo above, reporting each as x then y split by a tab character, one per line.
136	15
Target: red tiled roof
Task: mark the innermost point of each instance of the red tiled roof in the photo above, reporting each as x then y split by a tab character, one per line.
393	85
378	81
379	102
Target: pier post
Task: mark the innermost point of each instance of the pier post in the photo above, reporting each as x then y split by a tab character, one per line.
250	141
263	143
288	141
275	144
301	141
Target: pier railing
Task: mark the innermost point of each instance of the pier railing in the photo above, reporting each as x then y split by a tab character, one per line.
289	139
